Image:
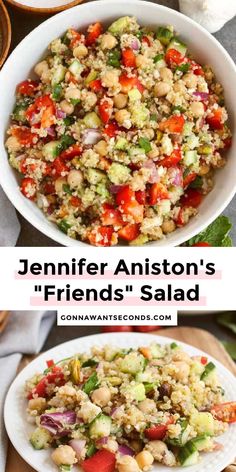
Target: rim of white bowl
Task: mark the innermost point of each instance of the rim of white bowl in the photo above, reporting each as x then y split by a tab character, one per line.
54	233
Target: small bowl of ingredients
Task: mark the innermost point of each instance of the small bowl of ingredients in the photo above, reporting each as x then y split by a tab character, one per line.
44	6
5	33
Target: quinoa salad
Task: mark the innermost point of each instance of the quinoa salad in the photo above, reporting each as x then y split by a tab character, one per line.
126	410
118	137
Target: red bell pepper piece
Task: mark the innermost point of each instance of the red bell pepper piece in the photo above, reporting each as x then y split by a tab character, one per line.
156	432
58	167
111	129
55	376
94	32
191	198
128	58
71	152
24	135
105	110
96	85
174	58
134	209
215	121
172	160
28	188
111	216
128	83
101	236
141	196
204	360
189	179
75	201
45	108
27	87
125	195
157	192
129	232
102	461
174	124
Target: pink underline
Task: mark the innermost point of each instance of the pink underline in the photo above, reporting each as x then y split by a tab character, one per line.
130	301
110	275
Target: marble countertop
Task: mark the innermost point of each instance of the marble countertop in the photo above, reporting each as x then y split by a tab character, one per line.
22	24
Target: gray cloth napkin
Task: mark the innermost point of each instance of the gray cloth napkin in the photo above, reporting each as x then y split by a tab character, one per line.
9	222
25	334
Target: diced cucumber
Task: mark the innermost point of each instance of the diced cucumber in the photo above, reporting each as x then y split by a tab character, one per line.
101	189
58	75
188	126
92	120
95	176
91	450
144	377
192	141
190	158
163	207
140	240
120	26
134	95
203	422
183	437
76	68
50	150
157	351
208	371
134	392
40	438
202	443
197	368
100	427
65	468
118	173
164	35
178	45
57	92
91	76
174	346
19	112
132	363
139	114
188	455
121	144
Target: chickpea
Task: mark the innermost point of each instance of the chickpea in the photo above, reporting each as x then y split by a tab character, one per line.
190	80
166	74
147	406
179	87
122	116
183	371
153	153
41	68
112	445
181	356
13	144
101	396
59	184
72	94
157	449
161	89
38	404
90	99
168	226
80	51
67	107
197	109
64	455
120	100
110	79
127	464
108	41
101	148
75	178
204	169
144	459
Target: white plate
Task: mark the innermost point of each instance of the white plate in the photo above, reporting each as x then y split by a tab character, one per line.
15	406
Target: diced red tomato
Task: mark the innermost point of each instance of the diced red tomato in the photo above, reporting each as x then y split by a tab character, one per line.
174	124
102	461
24	135
215	121
141	196
111	217
27	87
157	192
129	232
128	83
134	209
105	110
75	201
125	195
174	58
201	244
146	329
102	236
225	412
48	188
71	152
146	40
50	363
156	432
196	68
76	38
180	218
45	108
114	329
55	376
94	32
204	360
172	160
191	198
58	167
189	178
96	85
128	58
28	188
111	129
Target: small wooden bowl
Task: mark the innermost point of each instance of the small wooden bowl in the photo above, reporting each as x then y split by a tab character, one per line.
47	11
5	33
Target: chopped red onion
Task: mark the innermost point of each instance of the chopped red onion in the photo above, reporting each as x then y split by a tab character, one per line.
102	441
135	44
202	96
78	446
176	175
51	132
91	136
56	422
154	176
125	450
60	114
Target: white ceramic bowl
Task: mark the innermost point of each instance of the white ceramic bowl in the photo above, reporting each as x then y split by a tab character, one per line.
205	49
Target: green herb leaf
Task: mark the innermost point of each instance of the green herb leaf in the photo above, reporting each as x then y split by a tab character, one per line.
230	348
114	58
157	58
153	117
197	183
63	225
177	108
91	384
67	189
66	141
183	67
91	450
68	121
144	143
90	363
216	234
228	320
